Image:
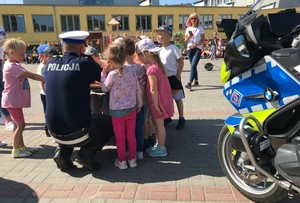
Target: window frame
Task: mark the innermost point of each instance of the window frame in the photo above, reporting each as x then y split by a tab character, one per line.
165	20
182	19
45	15
8	27
219	2
144	18
211	25
68	24
98	20
224	16
123	19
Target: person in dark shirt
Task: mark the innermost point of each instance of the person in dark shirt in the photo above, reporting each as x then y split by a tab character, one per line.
68	114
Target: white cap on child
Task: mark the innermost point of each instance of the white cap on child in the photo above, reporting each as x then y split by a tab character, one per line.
147	45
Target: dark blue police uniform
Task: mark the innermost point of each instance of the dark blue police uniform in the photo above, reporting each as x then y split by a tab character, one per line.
68	80
68	114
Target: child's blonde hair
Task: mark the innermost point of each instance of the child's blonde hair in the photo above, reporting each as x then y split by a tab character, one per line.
12	43
116	53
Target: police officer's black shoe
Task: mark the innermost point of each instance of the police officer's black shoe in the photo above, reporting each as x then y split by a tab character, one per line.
63	164
84	160
47	132
180	124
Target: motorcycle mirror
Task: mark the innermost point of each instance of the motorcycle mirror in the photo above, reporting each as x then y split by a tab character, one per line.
227	26
241	46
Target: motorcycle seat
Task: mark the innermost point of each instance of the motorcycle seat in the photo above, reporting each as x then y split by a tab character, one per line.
285	52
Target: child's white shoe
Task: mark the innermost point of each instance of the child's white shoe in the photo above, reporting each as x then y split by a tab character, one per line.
121	164
132	163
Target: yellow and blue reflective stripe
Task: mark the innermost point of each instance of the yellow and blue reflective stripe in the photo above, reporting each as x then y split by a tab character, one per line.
249	87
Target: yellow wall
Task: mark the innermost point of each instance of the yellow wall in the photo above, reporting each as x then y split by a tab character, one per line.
35	37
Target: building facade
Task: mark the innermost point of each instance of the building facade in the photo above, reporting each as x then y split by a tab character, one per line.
35	23
94	2
242	3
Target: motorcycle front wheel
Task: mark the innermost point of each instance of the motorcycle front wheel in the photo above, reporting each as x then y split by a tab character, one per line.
242	174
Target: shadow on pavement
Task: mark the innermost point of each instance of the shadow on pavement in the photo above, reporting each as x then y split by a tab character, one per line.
45	152
11	191
35	126
192	154
205	87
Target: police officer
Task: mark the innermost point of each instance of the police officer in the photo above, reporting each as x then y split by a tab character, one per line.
68	114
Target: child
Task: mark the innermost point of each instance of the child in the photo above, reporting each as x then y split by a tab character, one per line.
45	52
179	42
124	103
16	93
5	118
158	92
141	75
172	59
148	126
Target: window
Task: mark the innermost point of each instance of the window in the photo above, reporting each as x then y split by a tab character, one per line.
182	21
124	22
70	22
219	2
14	23
206	21
42	23
143	22
224	16
94	2
96	22
165	20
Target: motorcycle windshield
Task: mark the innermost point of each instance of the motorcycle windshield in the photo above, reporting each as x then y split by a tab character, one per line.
272	4
258	33
269	7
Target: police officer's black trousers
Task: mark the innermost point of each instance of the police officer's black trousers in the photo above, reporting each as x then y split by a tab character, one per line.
100	133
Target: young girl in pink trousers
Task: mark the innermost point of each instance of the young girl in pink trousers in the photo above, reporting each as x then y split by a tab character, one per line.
16	93
125	102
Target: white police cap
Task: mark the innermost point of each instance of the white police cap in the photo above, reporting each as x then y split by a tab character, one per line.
74	37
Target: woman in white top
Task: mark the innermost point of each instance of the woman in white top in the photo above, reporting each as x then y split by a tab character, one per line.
194	38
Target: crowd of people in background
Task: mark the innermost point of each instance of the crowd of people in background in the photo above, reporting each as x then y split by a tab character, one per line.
32	55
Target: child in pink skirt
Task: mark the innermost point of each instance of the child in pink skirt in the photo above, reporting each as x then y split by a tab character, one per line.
158	92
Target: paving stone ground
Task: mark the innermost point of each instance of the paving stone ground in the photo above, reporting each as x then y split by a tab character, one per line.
190	173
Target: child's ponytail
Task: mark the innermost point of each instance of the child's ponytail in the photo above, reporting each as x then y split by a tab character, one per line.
160	64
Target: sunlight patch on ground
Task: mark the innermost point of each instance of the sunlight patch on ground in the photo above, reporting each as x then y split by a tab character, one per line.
170	162
202	144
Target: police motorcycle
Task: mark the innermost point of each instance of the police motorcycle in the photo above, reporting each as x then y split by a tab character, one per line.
259	147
